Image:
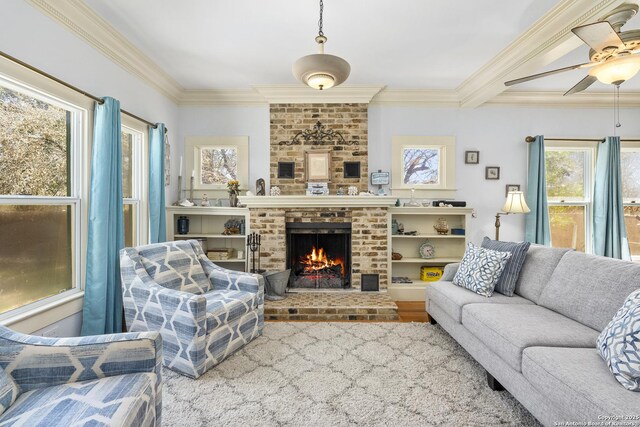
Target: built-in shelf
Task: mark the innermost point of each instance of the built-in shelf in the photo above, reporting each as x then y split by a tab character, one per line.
426	260
428	236
209	236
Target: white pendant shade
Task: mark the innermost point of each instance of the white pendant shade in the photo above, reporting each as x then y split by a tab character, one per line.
321	71
617	70
515	203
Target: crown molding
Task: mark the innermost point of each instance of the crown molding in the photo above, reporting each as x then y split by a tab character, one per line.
417	97
76	16
301	94
228	97
557	100
546	40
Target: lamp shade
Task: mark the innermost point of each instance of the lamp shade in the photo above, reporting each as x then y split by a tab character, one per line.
321	70
515	203
617	70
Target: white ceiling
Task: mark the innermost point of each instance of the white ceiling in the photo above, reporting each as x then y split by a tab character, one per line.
431	44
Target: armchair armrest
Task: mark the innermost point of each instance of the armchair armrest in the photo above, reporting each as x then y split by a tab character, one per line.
36	362
450	271
223	278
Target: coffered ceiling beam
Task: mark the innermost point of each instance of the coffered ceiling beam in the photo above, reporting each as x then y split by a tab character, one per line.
547	40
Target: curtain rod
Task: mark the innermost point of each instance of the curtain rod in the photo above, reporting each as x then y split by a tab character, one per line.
70	86
531	139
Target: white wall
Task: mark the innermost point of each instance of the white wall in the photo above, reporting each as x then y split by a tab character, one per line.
230	121
498	133
32	37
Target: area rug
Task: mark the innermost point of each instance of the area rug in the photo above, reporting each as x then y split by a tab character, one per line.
343	374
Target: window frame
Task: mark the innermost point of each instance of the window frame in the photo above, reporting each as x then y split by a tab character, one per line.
37	87
590	148
139	179
633	147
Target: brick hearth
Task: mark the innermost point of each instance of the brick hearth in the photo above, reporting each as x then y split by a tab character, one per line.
337	306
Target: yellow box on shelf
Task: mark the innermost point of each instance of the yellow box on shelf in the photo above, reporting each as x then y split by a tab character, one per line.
430	274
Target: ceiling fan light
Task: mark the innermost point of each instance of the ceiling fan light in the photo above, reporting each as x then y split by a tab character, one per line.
618	70
320	81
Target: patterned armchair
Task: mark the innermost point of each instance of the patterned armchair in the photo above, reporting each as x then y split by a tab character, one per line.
106	380
204	312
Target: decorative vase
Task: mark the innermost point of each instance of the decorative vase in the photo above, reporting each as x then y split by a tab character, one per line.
183	225
233	200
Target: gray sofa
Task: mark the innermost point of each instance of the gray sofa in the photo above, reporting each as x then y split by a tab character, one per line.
540	343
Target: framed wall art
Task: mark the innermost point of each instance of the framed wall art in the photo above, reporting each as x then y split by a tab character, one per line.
511	187
317	165
213	161
492	172
471	157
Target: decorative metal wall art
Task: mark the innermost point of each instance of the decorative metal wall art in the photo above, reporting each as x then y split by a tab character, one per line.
319	135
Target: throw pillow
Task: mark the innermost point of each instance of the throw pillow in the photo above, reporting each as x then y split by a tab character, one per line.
480	269
9	391
619	343
507	281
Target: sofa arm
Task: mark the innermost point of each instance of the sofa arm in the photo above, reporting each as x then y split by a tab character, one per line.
450	271
37	362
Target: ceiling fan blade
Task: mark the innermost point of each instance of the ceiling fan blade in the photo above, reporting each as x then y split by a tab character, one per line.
546	73
599	35
582	85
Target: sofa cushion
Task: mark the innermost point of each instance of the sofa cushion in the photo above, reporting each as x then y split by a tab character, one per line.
226	306
9	391
619	343
452	298
537	270
507	329
518	250
175	266
480	269
590	289
123	400
577	380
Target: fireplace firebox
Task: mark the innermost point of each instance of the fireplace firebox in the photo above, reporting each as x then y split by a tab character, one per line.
319	255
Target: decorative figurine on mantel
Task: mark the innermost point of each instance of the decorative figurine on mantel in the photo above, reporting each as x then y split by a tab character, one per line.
352	190
260	187
234	188
205	201
274	191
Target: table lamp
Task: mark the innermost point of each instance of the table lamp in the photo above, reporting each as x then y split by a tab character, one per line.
515	203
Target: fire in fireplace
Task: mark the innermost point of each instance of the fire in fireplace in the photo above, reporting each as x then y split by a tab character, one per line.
319	255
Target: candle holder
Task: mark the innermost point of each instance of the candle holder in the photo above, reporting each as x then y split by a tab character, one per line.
191	190
179	190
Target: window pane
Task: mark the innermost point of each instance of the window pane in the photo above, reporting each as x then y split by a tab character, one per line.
421	165
567	227
127	170
632	221
565	174
35	253
34	146
130	226
630	165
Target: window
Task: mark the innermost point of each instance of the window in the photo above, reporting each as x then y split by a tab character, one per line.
132	142
630	165
39	196
570	173
213	161
569	187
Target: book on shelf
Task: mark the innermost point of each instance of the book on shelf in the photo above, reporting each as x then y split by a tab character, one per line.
217	254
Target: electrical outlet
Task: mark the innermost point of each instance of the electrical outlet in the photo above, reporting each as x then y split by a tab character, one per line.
51	332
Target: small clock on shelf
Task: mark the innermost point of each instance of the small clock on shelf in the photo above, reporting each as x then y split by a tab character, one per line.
427	250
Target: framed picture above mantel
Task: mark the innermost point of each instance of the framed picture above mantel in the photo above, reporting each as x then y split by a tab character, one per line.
213	161
317	165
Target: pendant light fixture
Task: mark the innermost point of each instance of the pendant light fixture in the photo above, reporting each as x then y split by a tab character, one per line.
321	70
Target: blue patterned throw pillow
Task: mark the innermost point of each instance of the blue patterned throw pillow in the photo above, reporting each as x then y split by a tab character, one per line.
507	281
619	343
9	391
480	269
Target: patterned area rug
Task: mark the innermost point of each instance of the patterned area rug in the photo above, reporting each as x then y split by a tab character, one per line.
343	374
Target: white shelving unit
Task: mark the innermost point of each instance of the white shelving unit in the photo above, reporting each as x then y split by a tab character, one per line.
208	223
449	248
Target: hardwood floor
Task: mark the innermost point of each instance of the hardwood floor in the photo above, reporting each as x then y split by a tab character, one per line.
412	311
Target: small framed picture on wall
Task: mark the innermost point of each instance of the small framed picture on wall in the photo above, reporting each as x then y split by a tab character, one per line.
492	172
471	157
512	187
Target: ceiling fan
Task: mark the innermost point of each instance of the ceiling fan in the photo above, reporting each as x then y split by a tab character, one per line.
614	56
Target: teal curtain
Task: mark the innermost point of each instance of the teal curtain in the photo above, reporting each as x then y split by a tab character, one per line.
157	215
537	228
609	231
102	311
